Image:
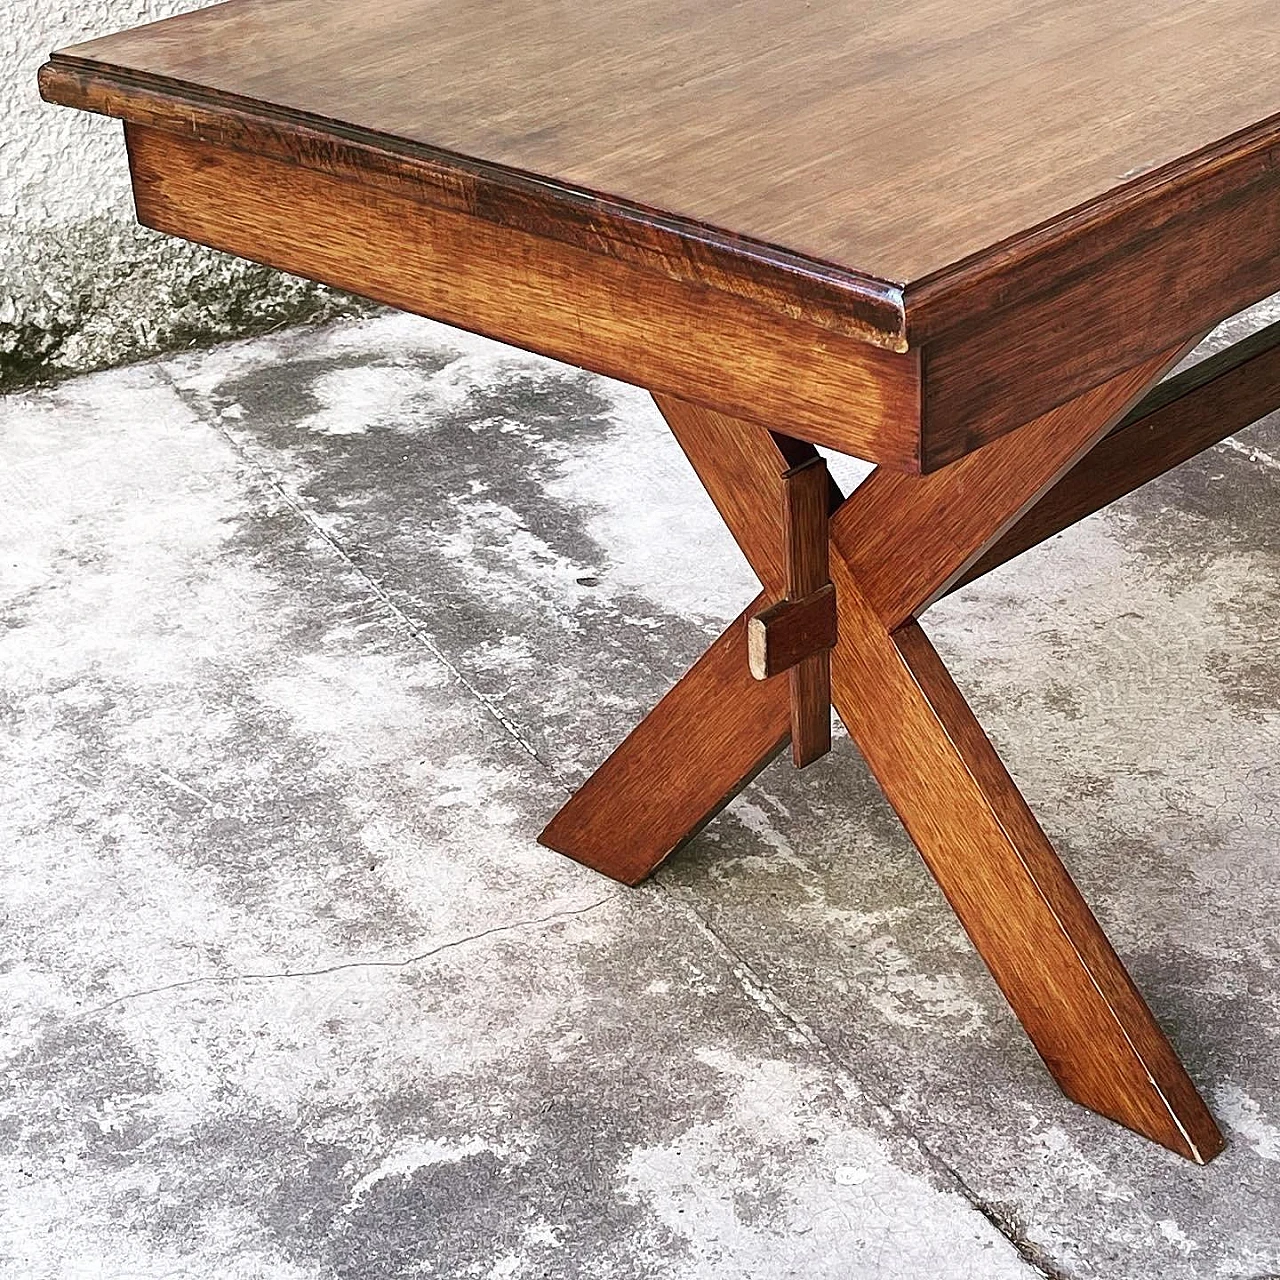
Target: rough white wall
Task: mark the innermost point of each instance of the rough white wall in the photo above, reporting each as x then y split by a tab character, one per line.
81	285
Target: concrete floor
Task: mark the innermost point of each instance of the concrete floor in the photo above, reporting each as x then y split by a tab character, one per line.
302	640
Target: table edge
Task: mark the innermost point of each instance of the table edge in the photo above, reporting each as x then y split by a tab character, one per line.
825	294
935	301
998	338
897	315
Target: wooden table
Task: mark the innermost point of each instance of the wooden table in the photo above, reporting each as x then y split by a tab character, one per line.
961	241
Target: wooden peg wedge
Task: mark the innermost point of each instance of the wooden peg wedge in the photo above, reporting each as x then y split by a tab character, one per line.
785	634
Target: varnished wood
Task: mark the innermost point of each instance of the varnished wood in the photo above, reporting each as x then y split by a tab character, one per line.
591	309
1033	200
907	539
790	631
718	726
1180	418
1241	381
899	138
679	767
1092	302
954	796
806	490
1002	877
782	282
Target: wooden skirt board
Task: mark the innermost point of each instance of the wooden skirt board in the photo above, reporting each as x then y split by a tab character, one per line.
979	289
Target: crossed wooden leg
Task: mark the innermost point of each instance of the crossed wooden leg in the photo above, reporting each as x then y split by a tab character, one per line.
896	545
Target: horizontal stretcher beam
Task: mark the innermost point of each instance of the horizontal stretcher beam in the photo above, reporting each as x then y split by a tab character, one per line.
1179	418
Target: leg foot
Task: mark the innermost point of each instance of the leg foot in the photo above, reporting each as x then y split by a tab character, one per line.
1011	892
680	766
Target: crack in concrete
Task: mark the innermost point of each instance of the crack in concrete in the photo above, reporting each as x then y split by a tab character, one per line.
754	987
230	978
273	482
771	1004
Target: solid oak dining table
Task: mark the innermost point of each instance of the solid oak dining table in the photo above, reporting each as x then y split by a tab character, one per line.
964	243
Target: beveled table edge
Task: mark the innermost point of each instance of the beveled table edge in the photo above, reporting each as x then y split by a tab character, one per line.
803	288
895	314
938	300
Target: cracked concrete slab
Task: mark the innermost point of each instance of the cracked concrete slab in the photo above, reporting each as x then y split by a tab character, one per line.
304	639
289	989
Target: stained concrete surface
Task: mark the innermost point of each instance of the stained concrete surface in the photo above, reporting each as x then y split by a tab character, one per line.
302	639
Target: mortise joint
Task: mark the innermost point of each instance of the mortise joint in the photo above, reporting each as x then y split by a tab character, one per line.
796	634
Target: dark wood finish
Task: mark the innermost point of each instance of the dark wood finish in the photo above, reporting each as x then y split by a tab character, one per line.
679	767
975	124
810	682
1094	302
779	281
1240	382
719	726
806	490
1180	418
1034	200
907	539
790	631
591	309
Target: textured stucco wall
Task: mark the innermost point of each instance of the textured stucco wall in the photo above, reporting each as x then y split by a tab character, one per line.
81	285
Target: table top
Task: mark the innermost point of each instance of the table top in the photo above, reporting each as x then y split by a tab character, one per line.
892	140
899	229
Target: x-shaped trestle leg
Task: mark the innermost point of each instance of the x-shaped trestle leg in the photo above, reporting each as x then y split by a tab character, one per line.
896	545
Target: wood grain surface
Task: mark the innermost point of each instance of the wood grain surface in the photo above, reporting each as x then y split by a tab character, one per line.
921	232
806	490
937	768
591	309
1025	198
1005	882
719	726
896	139
790	631
908	539
1183	416
709	737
